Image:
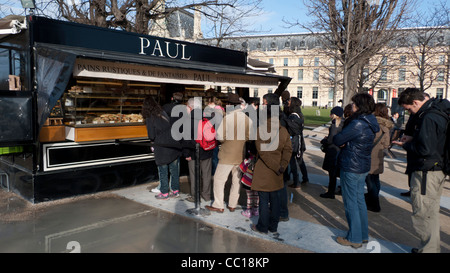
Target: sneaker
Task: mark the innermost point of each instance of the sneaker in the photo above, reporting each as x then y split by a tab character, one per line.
155	190
162	196
174	194
247	213
255	211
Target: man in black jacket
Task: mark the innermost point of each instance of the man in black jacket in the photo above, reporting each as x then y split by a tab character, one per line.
425	150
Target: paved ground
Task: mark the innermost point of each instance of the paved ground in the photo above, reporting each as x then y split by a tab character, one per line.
95	221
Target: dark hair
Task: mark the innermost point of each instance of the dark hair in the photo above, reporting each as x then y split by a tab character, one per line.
409	95
381	110
255	101
272	99
348	110
364	102
151	108
295	105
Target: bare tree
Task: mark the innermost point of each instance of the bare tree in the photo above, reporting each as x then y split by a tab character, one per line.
354	31
139	15
226	21
426	48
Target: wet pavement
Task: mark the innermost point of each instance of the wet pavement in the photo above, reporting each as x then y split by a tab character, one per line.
131	220
106	223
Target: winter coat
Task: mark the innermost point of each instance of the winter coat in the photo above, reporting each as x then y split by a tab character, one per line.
377	157
189	145
272	161
232	133
294	125
357	136
426	150
166	149
332	151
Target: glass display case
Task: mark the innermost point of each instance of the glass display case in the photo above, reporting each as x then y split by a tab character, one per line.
114	106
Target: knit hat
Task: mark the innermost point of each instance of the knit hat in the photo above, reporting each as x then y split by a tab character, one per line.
338	111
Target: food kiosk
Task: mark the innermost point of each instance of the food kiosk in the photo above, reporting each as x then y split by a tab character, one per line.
71	98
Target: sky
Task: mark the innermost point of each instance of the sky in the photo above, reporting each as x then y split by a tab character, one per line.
293	10
271	22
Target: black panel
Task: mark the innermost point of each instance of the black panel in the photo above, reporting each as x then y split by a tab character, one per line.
16	117
74	154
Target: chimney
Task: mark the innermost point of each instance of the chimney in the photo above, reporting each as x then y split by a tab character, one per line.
197	24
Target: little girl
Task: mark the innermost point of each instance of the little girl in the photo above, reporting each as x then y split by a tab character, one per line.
246	168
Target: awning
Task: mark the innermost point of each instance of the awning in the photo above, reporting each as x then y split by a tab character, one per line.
136	72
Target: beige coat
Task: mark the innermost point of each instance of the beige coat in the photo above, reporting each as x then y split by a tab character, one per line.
266	175
377	157
233	132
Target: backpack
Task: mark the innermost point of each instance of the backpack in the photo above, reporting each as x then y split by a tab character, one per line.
206	135
446	158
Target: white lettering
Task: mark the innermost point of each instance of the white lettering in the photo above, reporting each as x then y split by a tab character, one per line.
168	50
142	45
184	51
158	47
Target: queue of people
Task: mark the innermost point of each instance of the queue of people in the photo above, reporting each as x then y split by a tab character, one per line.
354	151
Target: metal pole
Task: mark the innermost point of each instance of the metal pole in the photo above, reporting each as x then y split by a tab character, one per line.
197	210
197	176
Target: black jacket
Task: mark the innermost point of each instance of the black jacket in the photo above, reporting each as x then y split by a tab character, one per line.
166	149
426	150
332	151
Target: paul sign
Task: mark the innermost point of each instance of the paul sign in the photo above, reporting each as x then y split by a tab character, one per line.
168	49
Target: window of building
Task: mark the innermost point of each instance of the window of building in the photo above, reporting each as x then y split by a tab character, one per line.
270	91
271	60
314	103
285	72
316	61
402	74
299	92
316	75
286	62
331	93
332	74
332	62
384	60
403	60
255	92
315	93
383	76
382	94
440	77
440	93
300	61
442	60
300	74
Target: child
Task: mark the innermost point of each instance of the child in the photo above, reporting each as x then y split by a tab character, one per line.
246	168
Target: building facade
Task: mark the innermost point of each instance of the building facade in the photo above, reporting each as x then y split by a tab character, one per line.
316	76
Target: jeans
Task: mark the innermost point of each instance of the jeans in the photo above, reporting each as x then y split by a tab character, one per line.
163	172
373	191
269	211
283	196
292	168
355	206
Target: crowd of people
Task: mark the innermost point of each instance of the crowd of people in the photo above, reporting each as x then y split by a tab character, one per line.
354	151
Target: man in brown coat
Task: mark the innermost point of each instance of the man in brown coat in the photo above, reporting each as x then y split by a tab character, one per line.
272	161
233	132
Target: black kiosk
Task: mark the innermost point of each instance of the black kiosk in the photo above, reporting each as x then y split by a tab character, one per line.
71	96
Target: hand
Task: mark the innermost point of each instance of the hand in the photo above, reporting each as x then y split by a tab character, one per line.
399	143
188	158
280	171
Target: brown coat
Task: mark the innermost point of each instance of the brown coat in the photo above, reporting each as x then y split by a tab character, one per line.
266	175
233	132
377	157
